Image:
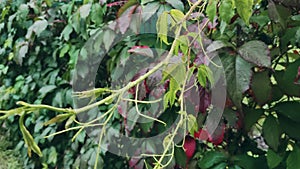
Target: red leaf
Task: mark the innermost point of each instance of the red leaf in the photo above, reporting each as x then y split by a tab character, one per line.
189	146
202	134
125	20
119	3
218	136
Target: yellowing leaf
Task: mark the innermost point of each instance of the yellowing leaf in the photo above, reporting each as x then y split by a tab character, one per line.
59	118
162	27
192	123
166	141
28	138
177	71
178	16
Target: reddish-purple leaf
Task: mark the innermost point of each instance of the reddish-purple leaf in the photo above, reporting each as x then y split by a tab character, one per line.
142	50
125	20
119	3
297	79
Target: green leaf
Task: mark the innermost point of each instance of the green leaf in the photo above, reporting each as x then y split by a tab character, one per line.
256	52
46	89
108	39
251	116
52	156
84	10
273	159
58	119
176	4
211	158
177	16
220	166
97	14
180	156
211	9
271	132
293	160
285	79
226	10
170	96
175	70
132	118
278	13
22	50
230	116
234	167
28	138
162	27
38	27
181	42
143	2
244	9
289	126
192	123
64	50
248	162
205	73
261	20
289	109
296	17
238	74
167	141
261	87
216	45
66	32
126	6
149	10
277	93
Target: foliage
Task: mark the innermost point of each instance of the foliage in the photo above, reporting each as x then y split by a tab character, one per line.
47	49
8	158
